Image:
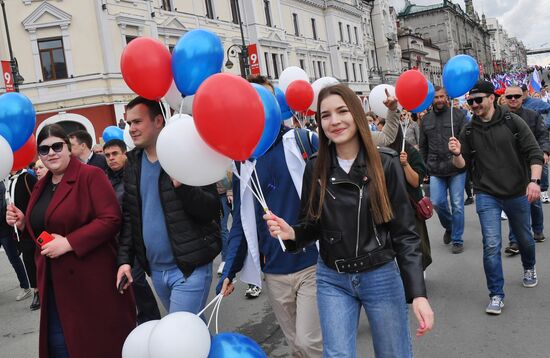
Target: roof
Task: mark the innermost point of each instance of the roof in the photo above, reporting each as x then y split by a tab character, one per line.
413	8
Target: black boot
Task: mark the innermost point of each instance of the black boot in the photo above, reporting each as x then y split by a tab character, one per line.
35	302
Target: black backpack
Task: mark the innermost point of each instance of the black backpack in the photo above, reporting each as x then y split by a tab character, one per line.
508	122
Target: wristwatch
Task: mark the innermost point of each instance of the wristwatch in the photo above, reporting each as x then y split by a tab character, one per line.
536	181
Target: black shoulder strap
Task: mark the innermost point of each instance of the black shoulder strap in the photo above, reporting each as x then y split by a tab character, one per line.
512	126
469	138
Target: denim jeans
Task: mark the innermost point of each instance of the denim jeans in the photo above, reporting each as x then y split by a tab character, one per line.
224	218
453	220
56	339
544	178
381	293
537	221
146	303
179	293
13	256
517	209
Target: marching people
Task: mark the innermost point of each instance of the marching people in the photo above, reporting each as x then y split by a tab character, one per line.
172	229
74	217
40	169
81	143
506	163
357	265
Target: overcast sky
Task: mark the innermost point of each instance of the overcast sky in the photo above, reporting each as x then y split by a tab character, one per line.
528	20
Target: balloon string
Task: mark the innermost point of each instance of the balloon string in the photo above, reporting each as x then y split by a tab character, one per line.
181	107
210	304
163	111
404	128
452	125
9	201
249	187
215	311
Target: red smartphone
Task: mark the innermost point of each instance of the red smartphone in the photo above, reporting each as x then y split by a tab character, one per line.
44	238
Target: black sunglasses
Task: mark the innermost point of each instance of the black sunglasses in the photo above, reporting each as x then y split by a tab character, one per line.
514	96
477	100
45	149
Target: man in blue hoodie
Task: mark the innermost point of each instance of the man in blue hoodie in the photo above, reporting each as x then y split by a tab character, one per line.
290	279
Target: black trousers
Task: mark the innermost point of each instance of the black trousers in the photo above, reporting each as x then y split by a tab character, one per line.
146	303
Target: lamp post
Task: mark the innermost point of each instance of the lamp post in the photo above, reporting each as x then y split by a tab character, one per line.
243	49
17	78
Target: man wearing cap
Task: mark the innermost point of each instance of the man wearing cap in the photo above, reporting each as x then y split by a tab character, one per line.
506	163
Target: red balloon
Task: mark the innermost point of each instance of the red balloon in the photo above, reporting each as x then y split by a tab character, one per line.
299	95
229	115
146	67
411	89
24	155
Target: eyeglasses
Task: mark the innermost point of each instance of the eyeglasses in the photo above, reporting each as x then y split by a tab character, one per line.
514	96
477	100
45	149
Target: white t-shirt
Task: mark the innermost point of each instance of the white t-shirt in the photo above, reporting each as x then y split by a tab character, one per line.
345	164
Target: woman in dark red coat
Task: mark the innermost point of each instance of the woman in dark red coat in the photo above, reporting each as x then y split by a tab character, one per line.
82	314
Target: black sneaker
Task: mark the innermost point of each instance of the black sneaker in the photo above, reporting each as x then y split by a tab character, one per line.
253	291
447	238
457	249
512	250
539	237
469	201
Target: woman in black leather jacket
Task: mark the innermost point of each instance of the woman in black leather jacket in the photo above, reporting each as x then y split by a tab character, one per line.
355	203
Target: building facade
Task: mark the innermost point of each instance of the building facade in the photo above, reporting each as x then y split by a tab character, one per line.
508	53
419	53
69	51
453	30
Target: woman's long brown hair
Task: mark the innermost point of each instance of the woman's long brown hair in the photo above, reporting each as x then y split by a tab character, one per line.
379	200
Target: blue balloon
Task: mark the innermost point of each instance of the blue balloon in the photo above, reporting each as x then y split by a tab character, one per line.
197	56
272	115
459	75
17	119
112	132
286	112
234	345
427	101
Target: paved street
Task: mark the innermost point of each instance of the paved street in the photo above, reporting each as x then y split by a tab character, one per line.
457	292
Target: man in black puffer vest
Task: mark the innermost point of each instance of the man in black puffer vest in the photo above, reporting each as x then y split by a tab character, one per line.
171	228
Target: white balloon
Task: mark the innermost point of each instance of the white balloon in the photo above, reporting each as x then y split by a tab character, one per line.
186	157
128	139
291	74
175	99
180	334
6	158
136	344
318	86
377	97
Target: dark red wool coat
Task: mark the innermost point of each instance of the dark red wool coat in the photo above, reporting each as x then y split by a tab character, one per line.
96	319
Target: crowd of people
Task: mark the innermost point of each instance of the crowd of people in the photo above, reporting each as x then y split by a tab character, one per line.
347	199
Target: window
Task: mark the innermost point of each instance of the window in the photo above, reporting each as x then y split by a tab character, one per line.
266	55
341	32
354	73
129	38
313	29
315	74
167	5
235	16
209	9
275	66
361	72
324	68
347	72
295	21
52	59
320	69
282	61
302	64
356	37
267	14
349	33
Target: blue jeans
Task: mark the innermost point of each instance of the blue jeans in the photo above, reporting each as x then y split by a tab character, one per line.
453	220
537	221
147	309
13	256
179	293
224	230
56	339
544	178
380	292
519	215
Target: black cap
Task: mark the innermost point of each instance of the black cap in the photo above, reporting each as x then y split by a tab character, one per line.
483	86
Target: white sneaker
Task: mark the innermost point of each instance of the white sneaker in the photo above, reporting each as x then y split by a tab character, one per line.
544	197
220	268
24	293
503	216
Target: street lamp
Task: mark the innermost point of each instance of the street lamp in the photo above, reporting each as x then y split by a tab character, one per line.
17	78
243	53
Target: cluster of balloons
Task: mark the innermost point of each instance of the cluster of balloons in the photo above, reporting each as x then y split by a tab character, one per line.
17	121
185	334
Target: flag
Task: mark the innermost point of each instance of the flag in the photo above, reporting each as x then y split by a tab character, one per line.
535	81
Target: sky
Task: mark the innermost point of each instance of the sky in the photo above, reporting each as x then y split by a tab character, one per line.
527	20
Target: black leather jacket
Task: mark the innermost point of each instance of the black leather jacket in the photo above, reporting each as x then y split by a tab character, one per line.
346	229
192	217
